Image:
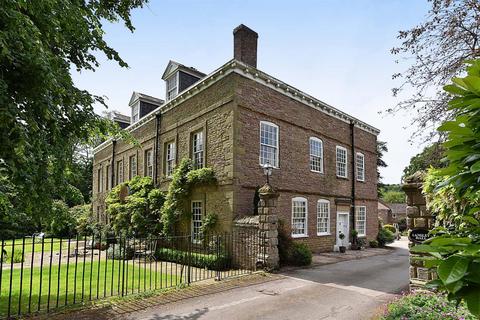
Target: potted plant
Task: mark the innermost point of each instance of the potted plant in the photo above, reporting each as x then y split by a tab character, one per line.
342	248
355	244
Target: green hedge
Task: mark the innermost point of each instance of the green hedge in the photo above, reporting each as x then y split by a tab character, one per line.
200	260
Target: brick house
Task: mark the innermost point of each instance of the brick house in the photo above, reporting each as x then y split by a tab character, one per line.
235	120
391	213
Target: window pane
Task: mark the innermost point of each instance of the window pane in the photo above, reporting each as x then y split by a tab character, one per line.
361	213
196	220
341	160
323	217
316	155
170	159
268	144
299	217
360	161
198	158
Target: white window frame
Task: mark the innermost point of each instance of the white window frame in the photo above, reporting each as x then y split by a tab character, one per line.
196	223
198	149
361	233
305	233
360	170
338	148
119	171
275	146
170	158
322	202
148	163
136	112
132	169
312	155
172	92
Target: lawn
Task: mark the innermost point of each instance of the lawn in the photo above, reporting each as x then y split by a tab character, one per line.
93	280
37	247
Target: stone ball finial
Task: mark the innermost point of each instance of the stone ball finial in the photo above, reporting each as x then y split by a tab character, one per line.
267	191
417	177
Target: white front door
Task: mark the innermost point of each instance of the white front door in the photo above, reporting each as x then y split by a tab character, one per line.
343	226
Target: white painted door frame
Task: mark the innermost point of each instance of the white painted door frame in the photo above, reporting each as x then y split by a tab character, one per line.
346	241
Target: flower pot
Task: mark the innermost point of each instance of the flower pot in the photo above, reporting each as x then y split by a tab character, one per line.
342	249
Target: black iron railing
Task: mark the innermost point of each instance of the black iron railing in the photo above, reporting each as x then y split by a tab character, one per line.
43	274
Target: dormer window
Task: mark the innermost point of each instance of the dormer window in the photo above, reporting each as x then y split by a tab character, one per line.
135	112
172	86
178	78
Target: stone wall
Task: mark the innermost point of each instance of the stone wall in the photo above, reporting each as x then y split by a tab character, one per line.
418	218
246	234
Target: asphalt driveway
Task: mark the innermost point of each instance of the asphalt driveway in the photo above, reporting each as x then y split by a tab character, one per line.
346	290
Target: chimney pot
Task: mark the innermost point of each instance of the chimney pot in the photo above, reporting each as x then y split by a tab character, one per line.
245	45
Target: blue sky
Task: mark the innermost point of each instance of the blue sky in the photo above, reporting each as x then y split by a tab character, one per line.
335	50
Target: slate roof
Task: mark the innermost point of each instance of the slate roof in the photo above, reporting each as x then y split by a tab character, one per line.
398	207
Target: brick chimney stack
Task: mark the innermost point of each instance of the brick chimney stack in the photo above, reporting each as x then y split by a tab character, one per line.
245	45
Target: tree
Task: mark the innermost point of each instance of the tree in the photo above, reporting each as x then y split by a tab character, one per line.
453	195
393	197
438	46
43	114
431	156
381	150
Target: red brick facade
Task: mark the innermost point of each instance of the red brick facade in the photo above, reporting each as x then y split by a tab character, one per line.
228	107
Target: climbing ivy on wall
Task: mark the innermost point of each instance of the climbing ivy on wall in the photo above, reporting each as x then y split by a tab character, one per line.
138	211
184	179
146	210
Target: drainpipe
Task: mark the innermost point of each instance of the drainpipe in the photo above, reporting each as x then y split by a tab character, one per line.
112	174
155	162
354	174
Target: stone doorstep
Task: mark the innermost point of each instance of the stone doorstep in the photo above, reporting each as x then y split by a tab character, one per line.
117	308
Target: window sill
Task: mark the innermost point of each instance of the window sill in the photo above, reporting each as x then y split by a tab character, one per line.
297	236
322	234
343	178
363	181
314	171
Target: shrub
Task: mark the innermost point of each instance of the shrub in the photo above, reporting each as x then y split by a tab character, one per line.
300	255
209	261
361	242
17	257
285	242
373	244
425	305
117	252
385	237
390	228
290	252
